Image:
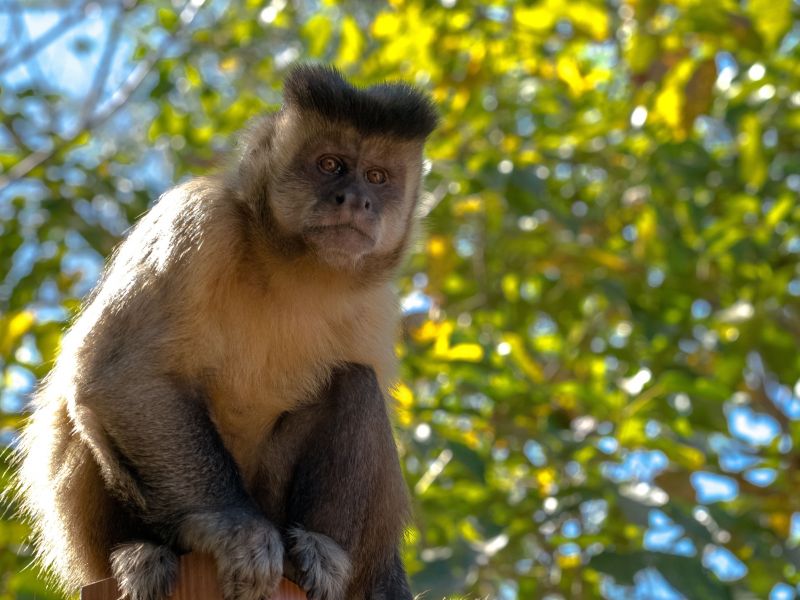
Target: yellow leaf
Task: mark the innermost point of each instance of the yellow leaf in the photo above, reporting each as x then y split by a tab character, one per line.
404	417
779	210
780	523
16	326
471	439
631	531
568	71
470	205
82	139
510	285
589	18
459	20
385	25
436	246
543	17
608	259
539	18
631	432
465	352
193	75
20	324
317	31
228	63
442	349
548	343
669	105
570	561
772	18
469	531
242	31
585	454
460	99
670	102
753	163
683	427
546	480
690	458
352	44
646	223
442	343
522	358
203	134
427	332
403	395
565	395
529	157
598	368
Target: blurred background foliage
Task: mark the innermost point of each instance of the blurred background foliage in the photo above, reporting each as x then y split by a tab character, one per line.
602	316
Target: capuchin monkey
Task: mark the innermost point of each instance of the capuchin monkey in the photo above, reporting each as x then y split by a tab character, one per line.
222	390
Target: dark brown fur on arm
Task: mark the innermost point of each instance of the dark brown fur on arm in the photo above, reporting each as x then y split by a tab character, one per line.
344	484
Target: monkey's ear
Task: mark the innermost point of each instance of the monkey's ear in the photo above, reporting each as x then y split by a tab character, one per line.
257	136
254	149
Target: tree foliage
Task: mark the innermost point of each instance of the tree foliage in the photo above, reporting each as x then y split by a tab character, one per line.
600	367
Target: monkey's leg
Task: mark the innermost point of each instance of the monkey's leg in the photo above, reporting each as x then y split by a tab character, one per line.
347	488
167	462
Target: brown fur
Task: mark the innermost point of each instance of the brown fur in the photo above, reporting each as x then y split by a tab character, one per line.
219	304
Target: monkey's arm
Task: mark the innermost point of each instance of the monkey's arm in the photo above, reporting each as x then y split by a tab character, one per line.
161	454
346	485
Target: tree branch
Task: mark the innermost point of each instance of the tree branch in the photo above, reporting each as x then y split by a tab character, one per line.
22	37
117	101
48	37
103	68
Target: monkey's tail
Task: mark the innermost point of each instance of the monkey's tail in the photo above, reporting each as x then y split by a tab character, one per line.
53	493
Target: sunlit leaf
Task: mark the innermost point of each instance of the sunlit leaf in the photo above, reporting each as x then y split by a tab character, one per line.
352	42
753	161
772	18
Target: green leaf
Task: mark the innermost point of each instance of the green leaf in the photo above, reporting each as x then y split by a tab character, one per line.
468	457
772	18
168	18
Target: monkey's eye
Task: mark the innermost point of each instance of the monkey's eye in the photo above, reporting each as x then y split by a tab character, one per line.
330	165
376	176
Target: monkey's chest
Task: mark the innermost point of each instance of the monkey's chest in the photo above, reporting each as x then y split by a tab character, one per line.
273	361
246	407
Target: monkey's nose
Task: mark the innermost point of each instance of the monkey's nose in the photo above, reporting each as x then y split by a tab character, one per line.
354	201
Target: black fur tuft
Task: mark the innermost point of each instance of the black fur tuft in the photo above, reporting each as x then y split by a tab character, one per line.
394	108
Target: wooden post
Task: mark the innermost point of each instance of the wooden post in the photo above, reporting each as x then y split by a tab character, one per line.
197	580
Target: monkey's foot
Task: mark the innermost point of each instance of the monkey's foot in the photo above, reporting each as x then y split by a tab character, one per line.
323	567
144	571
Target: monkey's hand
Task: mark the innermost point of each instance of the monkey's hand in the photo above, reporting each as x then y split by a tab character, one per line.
323	567
144	571
248	550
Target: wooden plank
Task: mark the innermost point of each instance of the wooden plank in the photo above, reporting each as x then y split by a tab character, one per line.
105	589
197	580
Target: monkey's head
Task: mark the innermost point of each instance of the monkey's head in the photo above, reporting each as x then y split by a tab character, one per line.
335	174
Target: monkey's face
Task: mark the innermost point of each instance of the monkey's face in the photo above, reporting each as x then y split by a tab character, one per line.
348	196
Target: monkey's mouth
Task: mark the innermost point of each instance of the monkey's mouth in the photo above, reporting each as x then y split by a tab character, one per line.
344	228
340	238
